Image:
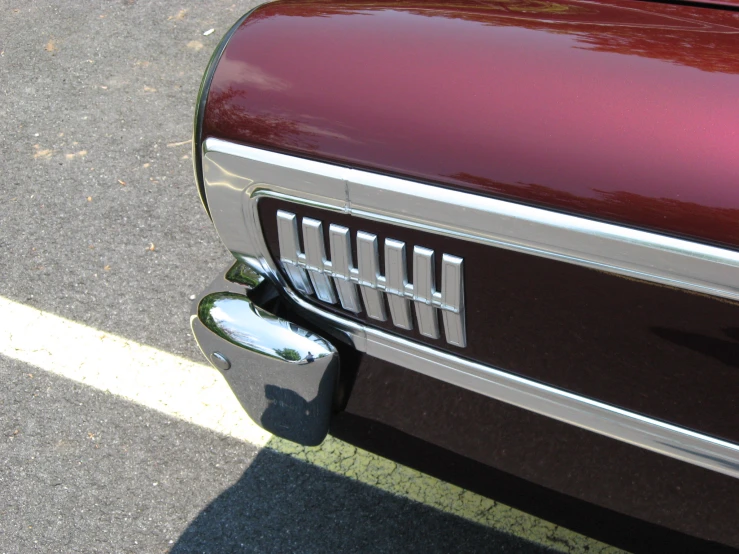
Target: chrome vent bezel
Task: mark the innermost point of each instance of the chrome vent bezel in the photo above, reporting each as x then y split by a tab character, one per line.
337	279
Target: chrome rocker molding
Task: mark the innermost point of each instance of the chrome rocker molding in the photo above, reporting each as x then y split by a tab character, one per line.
236	177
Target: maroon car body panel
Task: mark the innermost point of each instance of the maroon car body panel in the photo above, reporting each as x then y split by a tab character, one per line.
647	348
621	110
383	416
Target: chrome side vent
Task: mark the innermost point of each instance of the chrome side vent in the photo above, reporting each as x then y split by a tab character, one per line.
338	279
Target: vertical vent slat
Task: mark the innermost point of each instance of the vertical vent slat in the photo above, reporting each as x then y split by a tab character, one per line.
395	281
341	261
452	300
315	258
287	231
368	260
423	291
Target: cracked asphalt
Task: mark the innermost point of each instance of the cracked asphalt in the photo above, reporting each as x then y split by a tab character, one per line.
101	224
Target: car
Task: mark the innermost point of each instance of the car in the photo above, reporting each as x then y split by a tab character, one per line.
497	241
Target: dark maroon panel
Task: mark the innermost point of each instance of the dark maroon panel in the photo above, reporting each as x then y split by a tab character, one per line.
655	350
560	457
622	110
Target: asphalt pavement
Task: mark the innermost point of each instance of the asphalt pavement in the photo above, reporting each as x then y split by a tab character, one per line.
101	225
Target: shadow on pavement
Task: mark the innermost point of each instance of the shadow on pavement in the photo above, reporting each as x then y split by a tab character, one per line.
281	504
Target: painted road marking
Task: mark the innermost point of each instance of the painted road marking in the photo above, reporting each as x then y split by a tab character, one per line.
198	394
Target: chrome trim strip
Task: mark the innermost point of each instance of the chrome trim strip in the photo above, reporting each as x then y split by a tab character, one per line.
238	176
604	246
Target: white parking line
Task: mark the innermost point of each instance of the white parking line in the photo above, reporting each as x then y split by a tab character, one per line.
169	384
198	394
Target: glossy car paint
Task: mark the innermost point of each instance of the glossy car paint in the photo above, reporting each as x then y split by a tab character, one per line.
622	110
651	349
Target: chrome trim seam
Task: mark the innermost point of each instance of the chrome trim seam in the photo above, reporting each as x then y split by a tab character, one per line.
238	176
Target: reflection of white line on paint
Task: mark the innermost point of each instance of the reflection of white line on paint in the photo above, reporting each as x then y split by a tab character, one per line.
197	393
